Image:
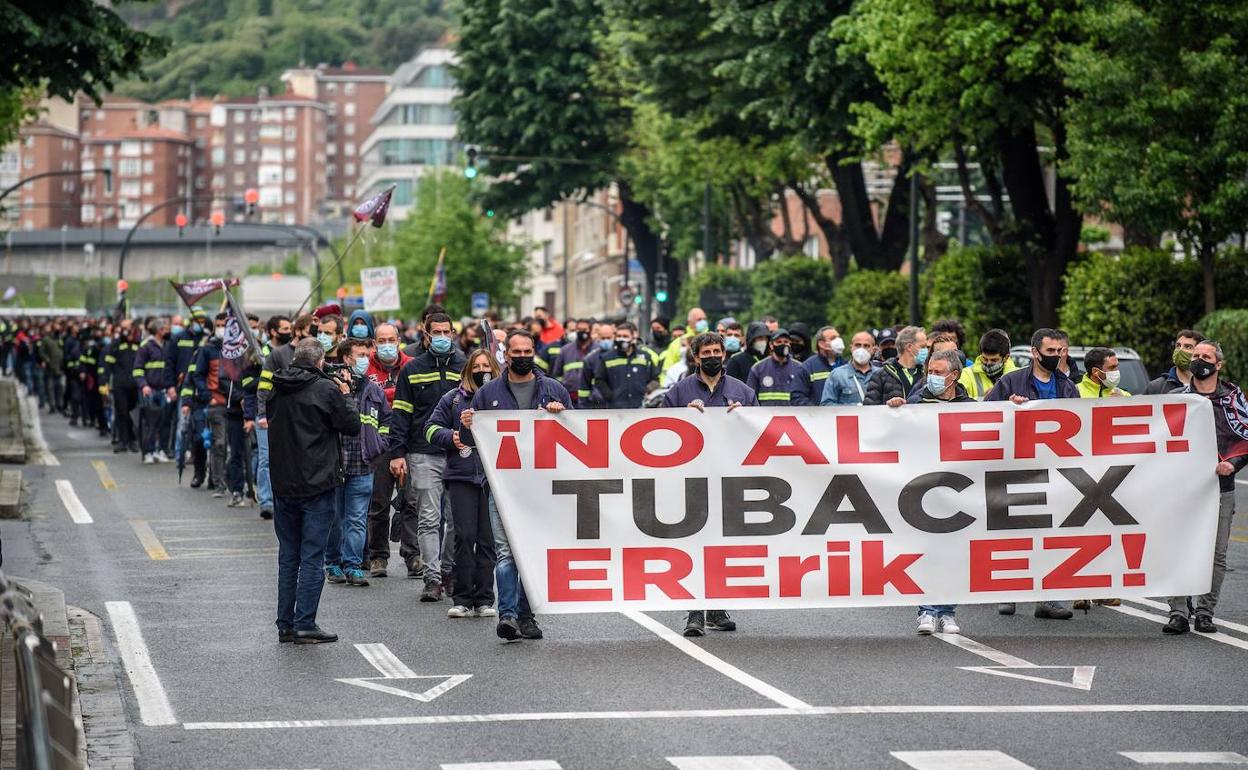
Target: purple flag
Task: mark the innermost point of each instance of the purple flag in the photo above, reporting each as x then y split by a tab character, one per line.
374	209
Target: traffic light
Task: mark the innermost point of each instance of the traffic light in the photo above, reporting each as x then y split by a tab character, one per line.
470	170
660	287
489	213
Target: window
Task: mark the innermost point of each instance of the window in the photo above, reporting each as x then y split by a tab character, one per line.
348	89
290	113
349	190
289	175
331	169
199	183
199	122
348	169
148	166
271	155
421	114
238	116
348	149
290	197
348	109
289	153
128	167
349	129
108	151
269	131
240	136
131	188
240	157
147	147
331	88
289	219
99	114
271	175
290	133
434	77
28	161
131	149
149	188
331	149
240	179
218	156
88	212
431	152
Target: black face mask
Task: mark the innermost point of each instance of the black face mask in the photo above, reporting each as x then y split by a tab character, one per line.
1202	369
661	338
1049	363
283	339
582	336
781	351
888	354
623	347
522	365
711	366
480	378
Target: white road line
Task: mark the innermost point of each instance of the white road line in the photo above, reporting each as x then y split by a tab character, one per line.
154	708
574	716
984	651
1185	757
767	762
722	666
1166	609
1163	619
959	760
534	764
30	416
384	661
77	511
1242	481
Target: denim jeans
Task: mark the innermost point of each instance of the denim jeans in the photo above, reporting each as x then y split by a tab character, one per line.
302	526
345	547
939	610
264	487
1205	603
511	599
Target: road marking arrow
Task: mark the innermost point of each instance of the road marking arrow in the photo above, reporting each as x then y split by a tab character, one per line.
391	668
1010	666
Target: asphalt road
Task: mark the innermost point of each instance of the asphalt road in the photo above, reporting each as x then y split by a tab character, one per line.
794	689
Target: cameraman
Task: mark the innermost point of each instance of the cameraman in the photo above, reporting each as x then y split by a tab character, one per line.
307	414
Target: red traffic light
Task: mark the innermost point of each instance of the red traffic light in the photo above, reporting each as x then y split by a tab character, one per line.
251	196
180	221
218	218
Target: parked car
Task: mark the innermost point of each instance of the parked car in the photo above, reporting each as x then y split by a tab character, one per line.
1135	377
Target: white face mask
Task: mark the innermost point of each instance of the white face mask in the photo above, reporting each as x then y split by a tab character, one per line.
219	332
1113	378
838	346
861	356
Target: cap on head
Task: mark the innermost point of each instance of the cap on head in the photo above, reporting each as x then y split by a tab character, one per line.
778	333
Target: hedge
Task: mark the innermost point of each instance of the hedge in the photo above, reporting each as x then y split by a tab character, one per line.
869	299
793	289
1230	329
984	288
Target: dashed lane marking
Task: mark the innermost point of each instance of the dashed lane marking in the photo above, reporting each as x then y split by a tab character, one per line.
148	538
768	762
69	498
809	711
959	760
1185	757
1163	619
154	706
106	478
718	664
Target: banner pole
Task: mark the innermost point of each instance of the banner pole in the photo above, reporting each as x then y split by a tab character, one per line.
325	273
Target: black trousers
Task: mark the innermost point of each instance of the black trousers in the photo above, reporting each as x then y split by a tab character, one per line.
379	507
474	544
125	398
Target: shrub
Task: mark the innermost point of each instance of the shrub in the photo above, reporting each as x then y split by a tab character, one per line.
710	277
793	289
1230	329
984	288
869	299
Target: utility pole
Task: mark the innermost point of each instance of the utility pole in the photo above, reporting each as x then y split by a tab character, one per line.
707	243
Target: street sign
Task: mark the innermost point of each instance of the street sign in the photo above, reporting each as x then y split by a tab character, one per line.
725	301
480	304
627	293
381	288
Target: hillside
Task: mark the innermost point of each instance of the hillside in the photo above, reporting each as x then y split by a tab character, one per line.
233	46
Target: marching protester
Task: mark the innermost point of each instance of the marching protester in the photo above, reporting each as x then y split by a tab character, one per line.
467	492
847	385
757	339
809	382
623	375
900	373
772	378
1103	375
385	365
156	385
1179	375
117	373
569	365
523	387
308	413
993	361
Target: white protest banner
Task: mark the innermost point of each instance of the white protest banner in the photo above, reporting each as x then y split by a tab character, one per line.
865	506
381	288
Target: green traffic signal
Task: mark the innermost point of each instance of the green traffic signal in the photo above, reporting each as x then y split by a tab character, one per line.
489	212
637	300
470	172
660	296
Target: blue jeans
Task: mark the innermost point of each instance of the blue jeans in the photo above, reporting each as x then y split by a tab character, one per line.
302	525
511	599
346	538
264	488
939	610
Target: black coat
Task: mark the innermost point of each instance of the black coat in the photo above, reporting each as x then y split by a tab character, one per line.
890	381
306	414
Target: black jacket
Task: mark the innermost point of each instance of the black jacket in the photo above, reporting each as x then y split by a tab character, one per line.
1166	383
892	380
421	385
740	363
306	414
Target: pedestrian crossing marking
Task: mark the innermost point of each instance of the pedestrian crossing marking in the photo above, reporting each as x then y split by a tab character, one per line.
1185	757
106	478
959	760
767	762
155	549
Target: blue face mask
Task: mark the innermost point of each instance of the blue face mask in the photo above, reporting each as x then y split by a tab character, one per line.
177	329
360	332
701	327
361	365
921	356
732	344
935	384
441	345
196	328
326	341
388	351
605	345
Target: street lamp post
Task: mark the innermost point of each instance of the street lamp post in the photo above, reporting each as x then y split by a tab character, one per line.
108	176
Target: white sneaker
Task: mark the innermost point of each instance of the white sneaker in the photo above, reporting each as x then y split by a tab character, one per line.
926	624
149	458
486	612
459	611
161	457
949	626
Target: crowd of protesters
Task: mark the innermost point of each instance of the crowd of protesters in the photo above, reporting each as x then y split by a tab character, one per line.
354	432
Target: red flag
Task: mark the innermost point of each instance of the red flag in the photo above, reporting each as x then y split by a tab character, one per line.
374	209
194	291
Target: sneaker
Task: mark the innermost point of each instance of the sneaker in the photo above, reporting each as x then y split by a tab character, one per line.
161	457
218	492
432	592
459	611
1177	625
377	568
1204	624
695	623
948	625
266	514
356	577
926	624
718	620
485	612
236	501
334	574
149	458
529	628
1006	608
508	630
415	567
1052	611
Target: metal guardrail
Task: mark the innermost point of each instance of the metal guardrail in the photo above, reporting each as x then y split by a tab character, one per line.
47	734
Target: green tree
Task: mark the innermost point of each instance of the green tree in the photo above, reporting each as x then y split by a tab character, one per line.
478	255
63	49
1157	136
869	299
793	289
979	286
1230	329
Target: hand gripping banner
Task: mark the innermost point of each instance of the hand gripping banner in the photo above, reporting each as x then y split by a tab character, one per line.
855	507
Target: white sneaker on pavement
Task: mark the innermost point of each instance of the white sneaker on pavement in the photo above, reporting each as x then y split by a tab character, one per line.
149	458
486	612
459	611
926	624
949	626
161	457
